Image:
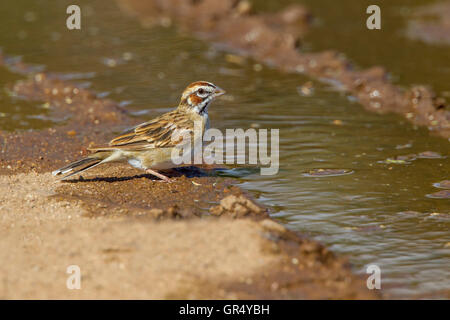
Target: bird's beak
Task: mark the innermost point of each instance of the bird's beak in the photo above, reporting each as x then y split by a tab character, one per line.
218	92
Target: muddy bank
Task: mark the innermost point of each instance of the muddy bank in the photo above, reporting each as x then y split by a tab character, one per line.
275	39
44	150
134	237
139	258
431	24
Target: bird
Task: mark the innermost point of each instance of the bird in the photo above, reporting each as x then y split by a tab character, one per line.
148	146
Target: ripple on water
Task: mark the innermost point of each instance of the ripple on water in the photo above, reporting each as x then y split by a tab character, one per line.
327	172
430	155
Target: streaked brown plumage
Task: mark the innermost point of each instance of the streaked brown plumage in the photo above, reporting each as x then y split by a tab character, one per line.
149	145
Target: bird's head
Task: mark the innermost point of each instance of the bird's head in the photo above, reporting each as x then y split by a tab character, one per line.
198	95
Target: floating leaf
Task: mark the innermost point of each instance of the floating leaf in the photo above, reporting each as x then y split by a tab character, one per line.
395	161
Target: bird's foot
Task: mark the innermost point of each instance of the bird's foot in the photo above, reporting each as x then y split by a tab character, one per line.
157	174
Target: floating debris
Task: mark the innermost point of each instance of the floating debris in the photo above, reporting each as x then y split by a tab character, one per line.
45	105
127	56
232	58
403	146
114	62
444	184
394	161
306	90
110	62
407	157
443	194
327	172
429	155
337	122
410	213
257	67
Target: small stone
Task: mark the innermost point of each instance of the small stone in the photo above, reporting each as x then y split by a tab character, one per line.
156	213
251	205
228	202
271	225
216	210
240	210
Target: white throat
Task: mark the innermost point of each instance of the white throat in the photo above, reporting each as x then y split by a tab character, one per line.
201	108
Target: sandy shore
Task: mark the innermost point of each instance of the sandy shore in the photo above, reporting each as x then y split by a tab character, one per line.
129	256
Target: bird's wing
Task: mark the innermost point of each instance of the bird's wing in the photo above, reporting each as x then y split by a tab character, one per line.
156	133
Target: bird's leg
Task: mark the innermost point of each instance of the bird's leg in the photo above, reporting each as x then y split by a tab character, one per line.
157	174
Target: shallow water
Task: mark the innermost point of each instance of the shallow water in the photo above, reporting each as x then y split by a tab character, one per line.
366	214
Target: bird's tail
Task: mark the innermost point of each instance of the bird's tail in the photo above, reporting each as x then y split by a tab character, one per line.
81	165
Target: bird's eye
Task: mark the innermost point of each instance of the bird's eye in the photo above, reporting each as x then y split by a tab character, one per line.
201	91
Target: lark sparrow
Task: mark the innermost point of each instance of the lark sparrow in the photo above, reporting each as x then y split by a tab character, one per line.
149	145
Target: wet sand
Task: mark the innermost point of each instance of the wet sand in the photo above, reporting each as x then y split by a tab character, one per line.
133	237
138	257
